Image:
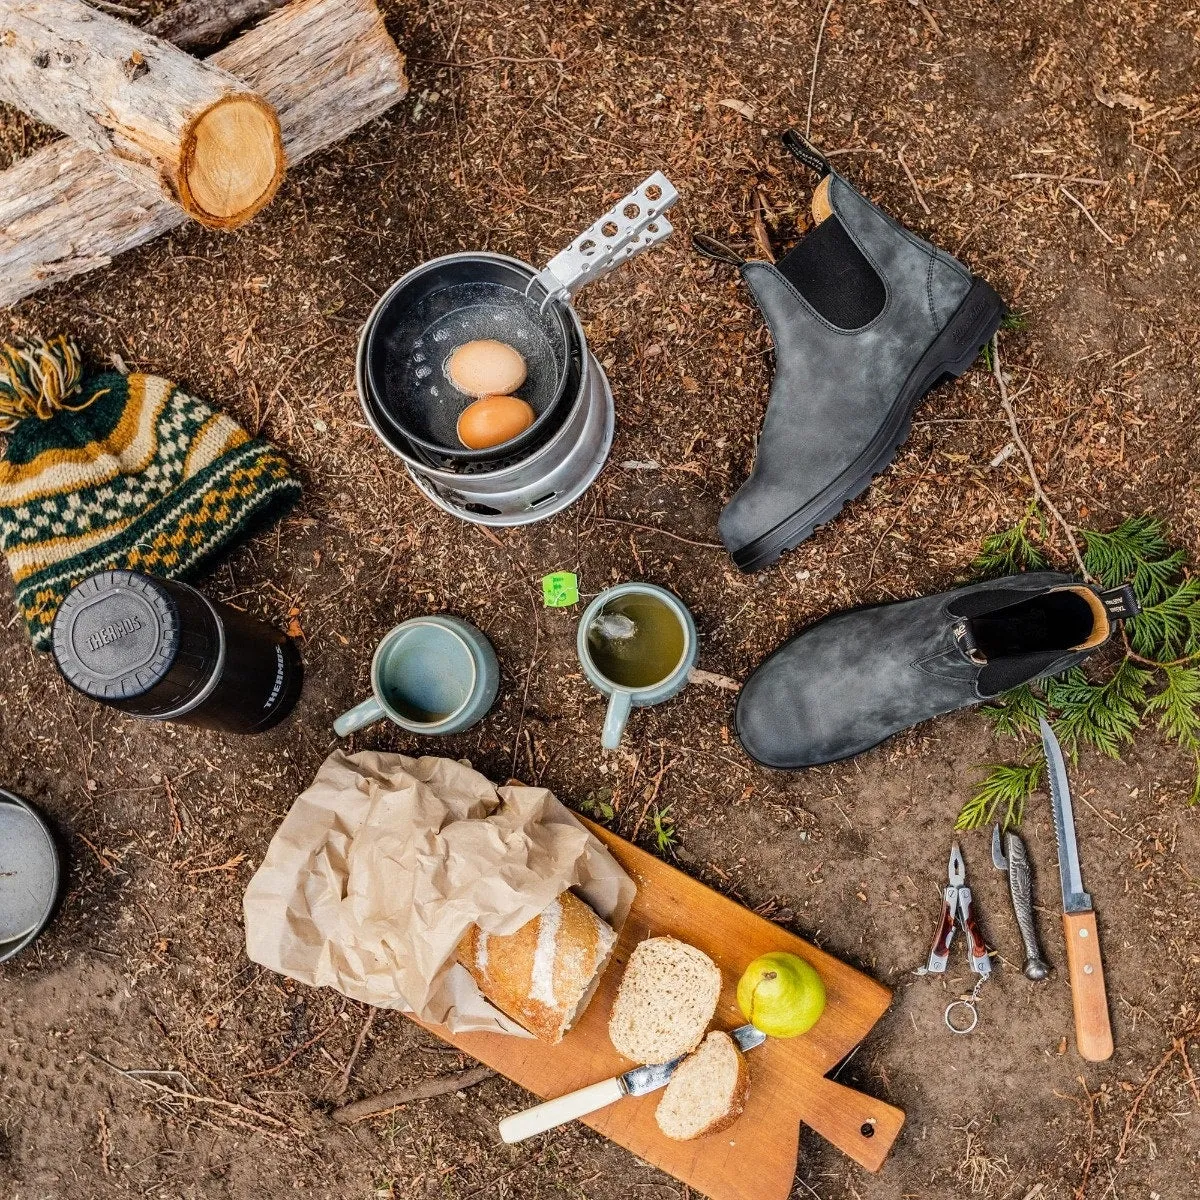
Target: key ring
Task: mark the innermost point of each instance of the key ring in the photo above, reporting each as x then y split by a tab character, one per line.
970	1007
967	1002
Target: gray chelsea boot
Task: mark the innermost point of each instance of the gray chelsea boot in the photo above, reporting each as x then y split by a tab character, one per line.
855	678
866	319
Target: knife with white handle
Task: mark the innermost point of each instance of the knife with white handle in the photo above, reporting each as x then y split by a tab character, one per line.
578	1104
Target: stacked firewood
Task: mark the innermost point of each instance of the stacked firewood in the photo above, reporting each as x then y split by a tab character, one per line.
157	136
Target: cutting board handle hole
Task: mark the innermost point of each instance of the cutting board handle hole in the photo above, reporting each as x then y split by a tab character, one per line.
868	1129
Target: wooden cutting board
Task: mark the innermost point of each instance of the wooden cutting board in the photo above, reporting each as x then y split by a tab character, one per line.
755	1159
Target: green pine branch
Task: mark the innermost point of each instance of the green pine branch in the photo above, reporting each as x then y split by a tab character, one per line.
1103	715
1155	685
1135	552
1017	712
1006	785
1169	629
1014	549
1177	706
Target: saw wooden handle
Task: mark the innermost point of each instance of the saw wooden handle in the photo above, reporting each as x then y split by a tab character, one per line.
863	1127
1093	1033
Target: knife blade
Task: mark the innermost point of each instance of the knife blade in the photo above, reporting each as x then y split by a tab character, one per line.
1093	1031
637	1082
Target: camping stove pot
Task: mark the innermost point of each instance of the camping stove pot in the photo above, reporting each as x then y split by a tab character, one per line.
521	488
544	470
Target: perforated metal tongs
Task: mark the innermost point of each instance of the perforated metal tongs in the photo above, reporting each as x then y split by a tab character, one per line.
633	224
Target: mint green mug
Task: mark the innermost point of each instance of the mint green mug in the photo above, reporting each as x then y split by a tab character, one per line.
636	644
431	675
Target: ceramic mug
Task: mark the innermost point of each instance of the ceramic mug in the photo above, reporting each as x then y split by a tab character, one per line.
430	675
623	698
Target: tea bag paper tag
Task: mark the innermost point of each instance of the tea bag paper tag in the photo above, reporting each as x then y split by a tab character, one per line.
560	589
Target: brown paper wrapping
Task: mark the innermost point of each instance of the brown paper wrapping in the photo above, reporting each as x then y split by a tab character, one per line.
382	865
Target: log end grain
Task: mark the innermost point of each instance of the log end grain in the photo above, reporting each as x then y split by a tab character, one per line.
233	161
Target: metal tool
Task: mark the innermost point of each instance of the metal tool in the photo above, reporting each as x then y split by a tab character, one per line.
578	1104
1013	859
958	912
1093	1032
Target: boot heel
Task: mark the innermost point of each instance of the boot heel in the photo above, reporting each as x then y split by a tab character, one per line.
969	330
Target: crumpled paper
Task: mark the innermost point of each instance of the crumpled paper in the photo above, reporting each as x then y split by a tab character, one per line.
382	865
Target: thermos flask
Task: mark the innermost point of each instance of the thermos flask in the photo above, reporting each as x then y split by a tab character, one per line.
161	650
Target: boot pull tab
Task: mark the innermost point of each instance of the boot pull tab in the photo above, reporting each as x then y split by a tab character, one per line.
1120	602
715	250
806	152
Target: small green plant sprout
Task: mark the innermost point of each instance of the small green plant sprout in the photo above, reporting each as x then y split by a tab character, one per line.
1153	680
598	806
1011	322
663	827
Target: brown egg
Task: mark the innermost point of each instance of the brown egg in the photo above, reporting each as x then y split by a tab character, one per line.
493	420
486	368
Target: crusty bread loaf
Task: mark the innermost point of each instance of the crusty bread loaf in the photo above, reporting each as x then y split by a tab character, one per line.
666	1001
544	974
708	1091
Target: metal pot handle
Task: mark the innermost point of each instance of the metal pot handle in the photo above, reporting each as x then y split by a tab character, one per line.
632	225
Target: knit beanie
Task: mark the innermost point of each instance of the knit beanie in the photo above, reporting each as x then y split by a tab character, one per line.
118	471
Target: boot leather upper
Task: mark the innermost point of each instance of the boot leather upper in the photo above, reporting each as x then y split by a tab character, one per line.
857	677
834	388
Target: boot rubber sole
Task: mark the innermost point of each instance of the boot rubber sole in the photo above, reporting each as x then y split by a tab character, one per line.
951	355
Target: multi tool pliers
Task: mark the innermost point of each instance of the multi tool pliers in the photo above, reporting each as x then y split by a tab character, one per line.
957	911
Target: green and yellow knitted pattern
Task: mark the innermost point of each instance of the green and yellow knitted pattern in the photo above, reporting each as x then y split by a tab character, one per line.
118	471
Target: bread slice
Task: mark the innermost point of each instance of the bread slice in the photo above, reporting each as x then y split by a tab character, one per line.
708	1091
666	1001
544	974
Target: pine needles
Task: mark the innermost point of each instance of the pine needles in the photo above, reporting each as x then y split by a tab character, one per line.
1155	683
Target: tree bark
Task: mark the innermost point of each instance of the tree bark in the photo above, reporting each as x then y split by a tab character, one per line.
328	67
166	119
201	24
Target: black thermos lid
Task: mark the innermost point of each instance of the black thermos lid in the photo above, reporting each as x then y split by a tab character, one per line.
146	646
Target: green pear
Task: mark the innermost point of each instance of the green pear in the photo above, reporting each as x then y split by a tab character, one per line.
781	994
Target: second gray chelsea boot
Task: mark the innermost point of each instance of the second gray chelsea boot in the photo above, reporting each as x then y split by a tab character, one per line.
855	678
866	318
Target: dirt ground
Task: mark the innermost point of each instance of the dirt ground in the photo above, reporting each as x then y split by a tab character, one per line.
989	128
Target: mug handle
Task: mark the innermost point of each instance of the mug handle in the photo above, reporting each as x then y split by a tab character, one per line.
360	716
619	706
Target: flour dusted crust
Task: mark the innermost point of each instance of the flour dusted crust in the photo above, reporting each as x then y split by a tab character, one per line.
543	975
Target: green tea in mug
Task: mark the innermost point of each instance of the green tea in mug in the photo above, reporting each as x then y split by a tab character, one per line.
636	640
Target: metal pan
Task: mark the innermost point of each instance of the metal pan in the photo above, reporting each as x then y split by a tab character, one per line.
459	298
29	874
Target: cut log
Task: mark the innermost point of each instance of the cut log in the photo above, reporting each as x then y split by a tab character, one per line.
168	120
328	67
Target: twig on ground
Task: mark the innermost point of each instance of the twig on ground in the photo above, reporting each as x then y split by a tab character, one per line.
348	1069
665	532
912	179
1038	490
1081	1190
708	679
1083	209
654	790
761	234
283	1062
1178	1046
142	1078
388	1102
812	83
930	20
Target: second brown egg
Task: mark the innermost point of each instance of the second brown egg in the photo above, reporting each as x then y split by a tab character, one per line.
492	421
